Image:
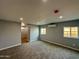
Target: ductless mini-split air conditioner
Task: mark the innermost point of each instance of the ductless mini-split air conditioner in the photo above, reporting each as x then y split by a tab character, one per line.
53	25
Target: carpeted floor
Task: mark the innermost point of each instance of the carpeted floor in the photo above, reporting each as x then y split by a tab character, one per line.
38	50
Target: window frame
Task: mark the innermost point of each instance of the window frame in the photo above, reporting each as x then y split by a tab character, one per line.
76	37
43	31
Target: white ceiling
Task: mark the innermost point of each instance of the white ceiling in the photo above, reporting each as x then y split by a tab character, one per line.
37	11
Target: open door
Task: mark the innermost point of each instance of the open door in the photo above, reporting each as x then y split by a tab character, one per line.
24	34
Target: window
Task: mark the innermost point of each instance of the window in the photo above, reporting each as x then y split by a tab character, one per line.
43	31
66	31
71	32
74	32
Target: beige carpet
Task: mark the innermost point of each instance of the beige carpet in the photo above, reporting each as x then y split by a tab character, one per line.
38	50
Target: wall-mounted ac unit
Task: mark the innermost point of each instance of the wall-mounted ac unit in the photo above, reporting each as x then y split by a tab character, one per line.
54	25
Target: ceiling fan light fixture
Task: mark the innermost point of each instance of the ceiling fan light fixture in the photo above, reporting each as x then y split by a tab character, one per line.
56	11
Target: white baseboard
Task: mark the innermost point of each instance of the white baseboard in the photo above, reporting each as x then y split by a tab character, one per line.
61	45
10	46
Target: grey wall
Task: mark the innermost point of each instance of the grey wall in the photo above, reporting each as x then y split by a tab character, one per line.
55	34
9	34
34	33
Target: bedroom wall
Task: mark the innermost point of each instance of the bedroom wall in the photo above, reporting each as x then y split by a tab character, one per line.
55	34
10	34
34	33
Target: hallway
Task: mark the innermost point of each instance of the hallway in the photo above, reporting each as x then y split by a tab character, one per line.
38	50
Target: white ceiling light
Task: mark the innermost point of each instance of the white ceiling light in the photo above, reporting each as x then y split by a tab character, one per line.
22	28
60	17
21	19
44	0
22	24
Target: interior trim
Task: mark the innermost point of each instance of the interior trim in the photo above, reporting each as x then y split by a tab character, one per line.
10	46
61	45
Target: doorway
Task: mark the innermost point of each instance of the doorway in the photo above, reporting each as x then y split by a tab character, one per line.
24	34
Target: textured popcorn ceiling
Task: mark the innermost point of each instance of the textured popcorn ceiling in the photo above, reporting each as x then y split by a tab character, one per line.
39	12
